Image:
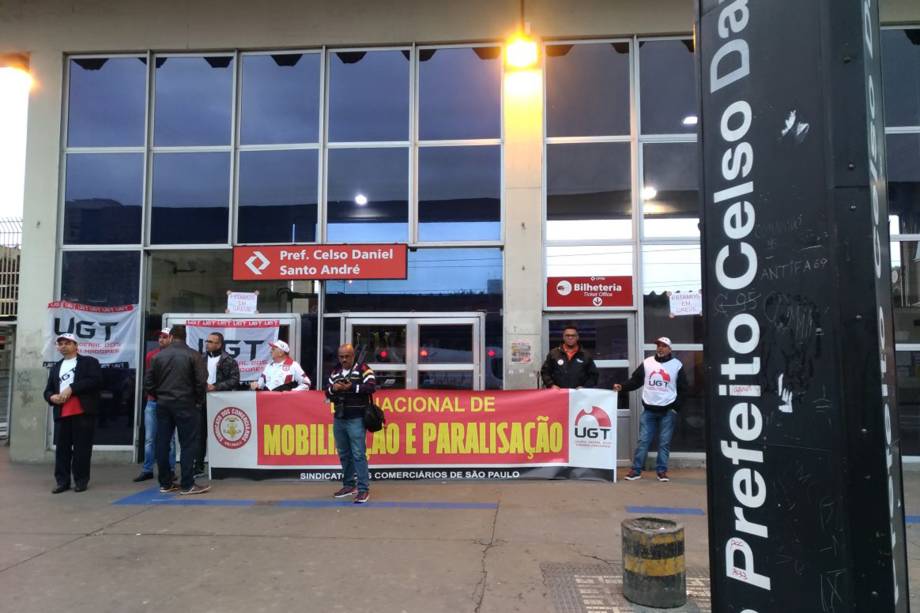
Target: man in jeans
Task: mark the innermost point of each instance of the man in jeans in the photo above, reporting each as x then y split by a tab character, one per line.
350	388
178	378
661	377
150	421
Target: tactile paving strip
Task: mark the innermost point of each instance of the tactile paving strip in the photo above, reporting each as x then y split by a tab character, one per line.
598	588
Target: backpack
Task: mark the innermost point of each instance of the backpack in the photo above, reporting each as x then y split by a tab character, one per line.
374	417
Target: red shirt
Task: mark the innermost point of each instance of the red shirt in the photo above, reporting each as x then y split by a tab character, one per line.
147	359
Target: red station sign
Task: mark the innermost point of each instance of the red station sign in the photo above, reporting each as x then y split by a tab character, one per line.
589	292
319	262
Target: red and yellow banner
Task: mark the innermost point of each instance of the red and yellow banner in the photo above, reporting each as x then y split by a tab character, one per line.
528	429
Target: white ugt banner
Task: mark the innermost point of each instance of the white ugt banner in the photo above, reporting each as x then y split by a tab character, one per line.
108	334
245	339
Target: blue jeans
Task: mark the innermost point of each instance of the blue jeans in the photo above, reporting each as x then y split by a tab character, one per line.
150	438
652	421
351	443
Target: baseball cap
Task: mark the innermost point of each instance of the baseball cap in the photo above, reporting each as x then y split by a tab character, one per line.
280	345
664	340
165	332
68	336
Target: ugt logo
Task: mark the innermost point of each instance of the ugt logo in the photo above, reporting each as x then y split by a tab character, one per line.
658	378
594	424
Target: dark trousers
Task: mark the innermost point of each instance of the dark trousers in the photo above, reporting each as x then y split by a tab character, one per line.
185	419
202	438
73	439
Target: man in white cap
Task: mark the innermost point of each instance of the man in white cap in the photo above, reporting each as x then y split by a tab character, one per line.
661	377
150	420
73	392
283	373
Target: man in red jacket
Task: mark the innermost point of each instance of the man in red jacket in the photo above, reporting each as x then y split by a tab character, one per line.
150	421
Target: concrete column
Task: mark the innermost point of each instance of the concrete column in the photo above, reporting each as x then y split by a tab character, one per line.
523	296
29	418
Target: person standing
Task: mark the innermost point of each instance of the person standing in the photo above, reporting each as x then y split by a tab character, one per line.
567	365
283	373
178	378
661	377
350	388
73	392
223	376
150	421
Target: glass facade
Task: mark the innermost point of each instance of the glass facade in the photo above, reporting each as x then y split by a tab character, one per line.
171	159
901	81
622	194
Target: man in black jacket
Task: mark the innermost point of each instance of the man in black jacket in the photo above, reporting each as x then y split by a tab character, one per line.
661	377
223	376
568	366
178	378
350	388
73	392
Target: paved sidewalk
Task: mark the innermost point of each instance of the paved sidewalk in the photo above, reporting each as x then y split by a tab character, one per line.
288	546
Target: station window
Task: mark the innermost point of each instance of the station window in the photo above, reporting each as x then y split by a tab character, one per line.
670	196
279	98
107	101
459	193
103	199
368	195
901	76
904	182
193	102
667	270
667	92
278	196
191	198
369	96
587	89
105	279
588	191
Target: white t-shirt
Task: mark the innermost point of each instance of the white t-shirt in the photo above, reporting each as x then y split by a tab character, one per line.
66	376
212	369
660	387
285	371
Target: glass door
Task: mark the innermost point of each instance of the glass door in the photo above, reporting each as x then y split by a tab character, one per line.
420	351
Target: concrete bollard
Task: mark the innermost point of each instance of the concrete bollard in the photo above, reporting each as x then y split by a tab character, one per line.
654	574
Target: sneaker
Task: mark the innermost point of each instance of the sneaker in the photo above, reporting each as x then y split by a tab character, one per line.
662	476
345	492
200	473
169	489
362	497
195	489
633	475
143	477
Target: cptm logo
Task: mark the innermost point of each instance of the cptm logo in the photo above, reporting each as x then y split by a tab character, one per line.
593	425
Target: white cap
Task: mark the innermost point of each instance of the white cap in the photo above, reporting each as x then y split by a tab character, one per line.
663	340
68	336
280	345
165	332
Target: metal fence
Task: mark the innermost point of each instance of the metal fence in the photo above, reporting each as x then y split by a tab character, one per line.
10	244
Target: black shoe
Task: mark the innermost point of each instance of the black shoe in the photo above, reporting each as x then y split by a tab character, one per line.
143	477
80	487
60	488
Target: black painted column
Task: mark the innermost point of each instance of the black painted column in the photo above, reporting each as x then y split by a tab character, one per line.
804	466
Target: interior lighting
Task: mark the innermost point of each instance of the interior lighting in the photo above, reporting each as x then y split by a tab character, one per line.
360	199
649	192
690	120
521	52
